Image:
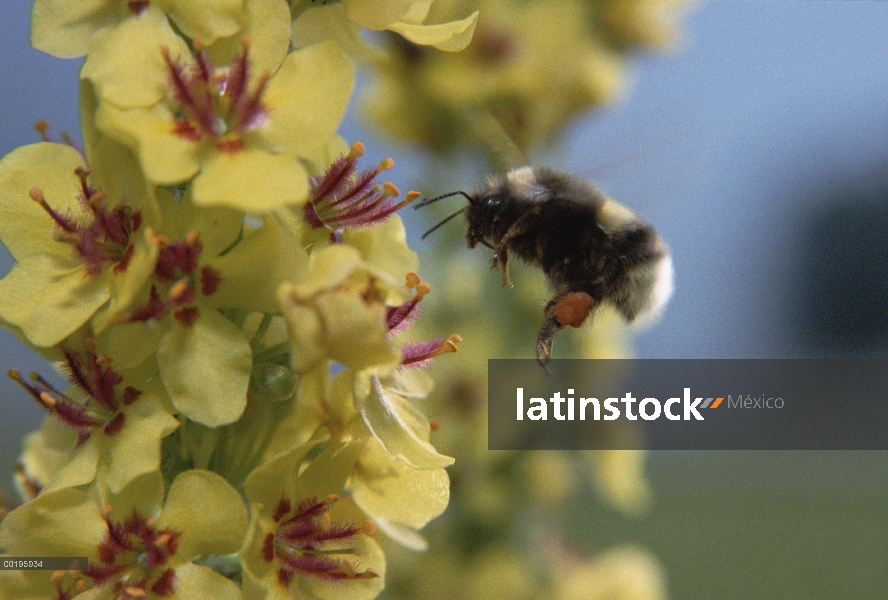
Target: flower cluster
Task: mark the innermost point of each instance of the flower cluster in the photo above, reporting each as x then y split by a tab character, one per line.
224	289
530	69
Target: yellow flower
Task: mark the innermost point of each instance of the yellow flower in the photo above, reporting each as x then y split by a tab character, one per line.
78	249
206	264
65	28
531	67
240	135
119	427
341	21
339	313
139	545
403	431
623	573
303	538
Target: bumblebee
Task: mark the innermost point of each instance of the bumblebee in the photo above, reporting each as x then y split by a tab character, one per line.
592	249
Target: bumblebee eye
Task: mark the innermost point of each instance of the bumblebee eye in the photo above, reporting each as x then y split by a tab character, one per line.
493	201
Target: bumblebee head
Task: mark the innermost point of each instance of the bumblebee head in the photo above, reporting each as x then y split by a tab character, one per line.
472	202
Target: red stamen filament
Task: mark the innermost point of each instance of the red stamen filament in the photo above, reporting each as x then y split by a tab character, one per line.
309	543
344	198
219	107
134	557
97	381
437	349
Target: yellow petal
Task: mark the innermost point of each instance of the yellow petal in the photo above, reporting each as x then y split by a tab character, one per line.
401	429
307	99
207	19
251	180
125	62
267	27
199	581
253	270
114	167
127	285
49	298
328	22
130	343
330	327
46	451
208	511
206	369
326	473
376	14
384	246
166	158
63	28
452	36
25	227
66	523
135	449
392	490
339	313
79	470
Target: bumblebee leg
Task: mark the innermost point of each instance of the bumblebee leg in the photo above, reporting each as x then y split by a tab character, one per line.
568	309
519	227
501	254
496	254
548	330
504	258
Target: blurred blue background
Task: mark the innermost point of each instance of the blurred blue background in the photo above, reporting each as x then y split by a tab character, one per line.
760	151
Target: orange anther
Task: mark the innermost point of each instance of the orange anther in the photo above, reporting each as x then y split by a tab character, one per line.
412	279
390	189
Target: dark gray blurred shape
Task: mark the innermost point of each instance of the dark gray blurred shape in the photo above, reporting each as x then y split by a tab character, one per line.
841	305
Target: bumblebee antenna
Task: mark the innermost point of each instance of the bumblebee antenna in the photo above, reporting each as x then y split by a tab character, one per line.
441	197
446	218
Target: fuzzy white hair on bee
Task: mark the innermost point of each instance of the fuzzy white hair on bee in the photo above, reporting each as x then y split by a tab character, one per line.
592	249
